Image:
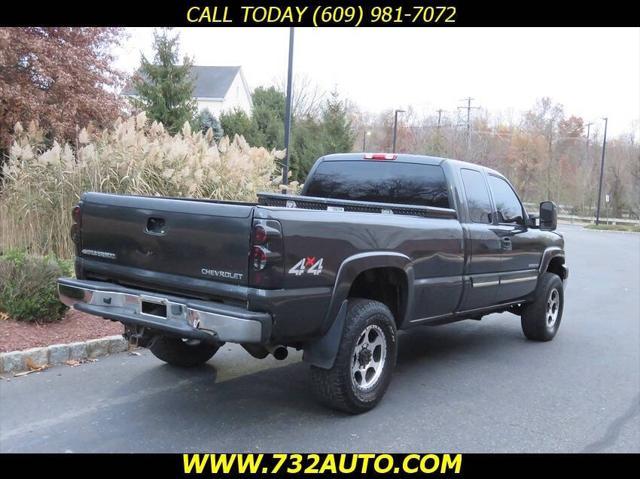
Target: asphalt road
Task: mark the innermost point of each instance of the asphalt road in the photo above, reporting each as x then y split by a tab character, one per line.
470	387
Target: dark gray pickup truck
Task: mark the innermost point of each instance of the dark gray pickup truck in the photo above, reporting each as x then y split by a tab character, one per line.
376	243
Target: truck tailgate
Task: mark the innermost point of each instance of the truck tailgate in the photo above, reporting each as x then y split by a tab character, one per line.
195	238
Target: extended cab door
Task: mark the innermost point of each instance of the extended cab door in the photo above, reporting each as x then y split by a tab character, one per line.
482	243
521	249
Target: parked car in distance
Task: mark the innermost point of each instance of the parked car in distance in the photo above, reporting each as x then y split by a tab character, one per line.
375	243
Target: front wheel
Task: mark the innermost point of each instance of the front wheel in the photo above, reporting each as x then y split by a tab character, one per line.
541	318
364	364
183	353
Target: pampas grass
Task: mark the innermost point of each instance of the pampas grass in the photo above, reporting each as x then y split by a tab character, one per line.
41	185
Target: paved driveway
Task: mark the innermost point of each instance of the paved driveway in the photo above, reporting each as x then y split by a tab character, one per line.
469	386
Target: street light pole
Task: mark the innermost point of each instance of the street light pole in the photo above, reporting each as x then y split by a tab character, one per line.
287	114
395	128
604	145
364	140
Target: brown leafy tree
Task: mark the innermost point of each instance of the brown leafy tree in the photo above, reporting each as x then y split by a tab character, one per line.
59	77
524	159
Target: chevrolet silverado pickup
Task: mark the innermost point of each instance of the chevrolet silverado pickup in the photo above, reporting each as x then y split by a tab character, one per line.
375	243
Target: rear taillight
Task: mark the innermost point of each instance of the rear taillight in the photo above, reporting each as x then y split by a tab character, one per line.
75	233
76	215
259	234
259	258
380	156
266	254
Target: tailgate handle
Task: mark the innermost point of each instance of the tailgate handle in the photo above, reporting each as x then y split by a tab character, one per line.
155	226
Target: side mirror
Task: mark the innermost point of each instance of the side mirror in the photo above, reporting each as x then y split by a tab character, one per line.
548	216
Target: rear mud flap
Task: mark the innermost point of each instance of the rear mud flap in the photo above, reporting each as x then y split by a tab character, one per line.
322	352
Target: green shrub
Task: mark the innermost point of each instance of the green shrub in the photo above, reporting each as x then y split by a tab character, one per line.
28	286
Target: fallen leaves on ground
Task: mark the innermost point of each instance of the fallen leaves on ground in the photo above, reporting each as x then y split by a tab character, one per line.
32	369
77	362
32	366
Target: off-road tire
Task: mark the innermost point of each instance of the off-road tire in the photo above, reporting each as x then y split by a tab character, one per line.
335	387
535	316
177	352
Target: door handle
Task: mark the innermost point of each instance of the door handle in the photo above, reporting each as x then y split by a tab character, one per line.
506	242
155	226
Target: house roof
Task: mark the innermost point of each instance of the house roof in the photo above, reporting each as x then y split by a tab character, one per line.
209	81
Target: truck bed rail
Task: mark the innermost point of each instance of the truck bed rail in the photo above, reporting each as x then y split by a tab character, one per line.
332	204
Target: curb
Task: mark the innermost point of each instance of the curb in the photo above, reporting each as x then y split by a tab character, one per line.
18	361
612	231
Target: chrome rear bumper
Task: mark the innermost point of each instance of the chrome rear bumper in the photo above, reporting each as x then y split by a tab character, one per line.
183	317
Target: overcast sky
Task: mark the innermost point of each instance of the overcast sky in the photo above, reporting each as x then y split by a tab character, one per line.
593	72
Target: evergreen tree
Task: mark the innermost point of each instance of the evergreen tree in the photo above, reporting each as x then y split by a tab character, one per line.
206	120
338	133
237	122
164	87
311	136
314	137
268	117
307	146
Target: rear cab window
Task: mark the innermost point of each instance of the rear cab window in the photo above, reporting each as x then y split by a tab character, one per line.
381	181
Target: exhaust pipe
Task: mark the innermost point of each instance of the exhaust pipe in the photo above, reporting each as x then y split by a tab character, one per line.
280	352
260	352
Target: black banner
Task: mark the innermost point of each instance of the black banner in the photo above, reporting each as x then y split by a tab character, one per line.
369	13
416	465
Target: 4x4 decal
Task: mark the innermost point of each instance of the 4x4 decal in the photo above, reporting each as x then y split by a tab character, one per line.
309	265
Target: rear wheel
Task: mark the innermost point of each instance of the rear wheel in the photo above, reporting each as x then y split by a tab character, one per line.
541	318
364	364
183	353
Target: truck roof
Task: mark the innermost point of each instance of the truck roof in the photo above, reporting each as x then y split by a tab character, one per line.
409	158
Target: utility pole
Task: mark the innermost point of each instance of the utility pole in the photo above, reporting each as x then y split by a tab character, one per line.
468	108
287	114
395	128
439	116
587	163
604	145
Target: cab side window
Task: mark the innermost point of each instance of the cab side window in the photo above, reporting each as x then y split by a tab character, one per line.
508	205
478	201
